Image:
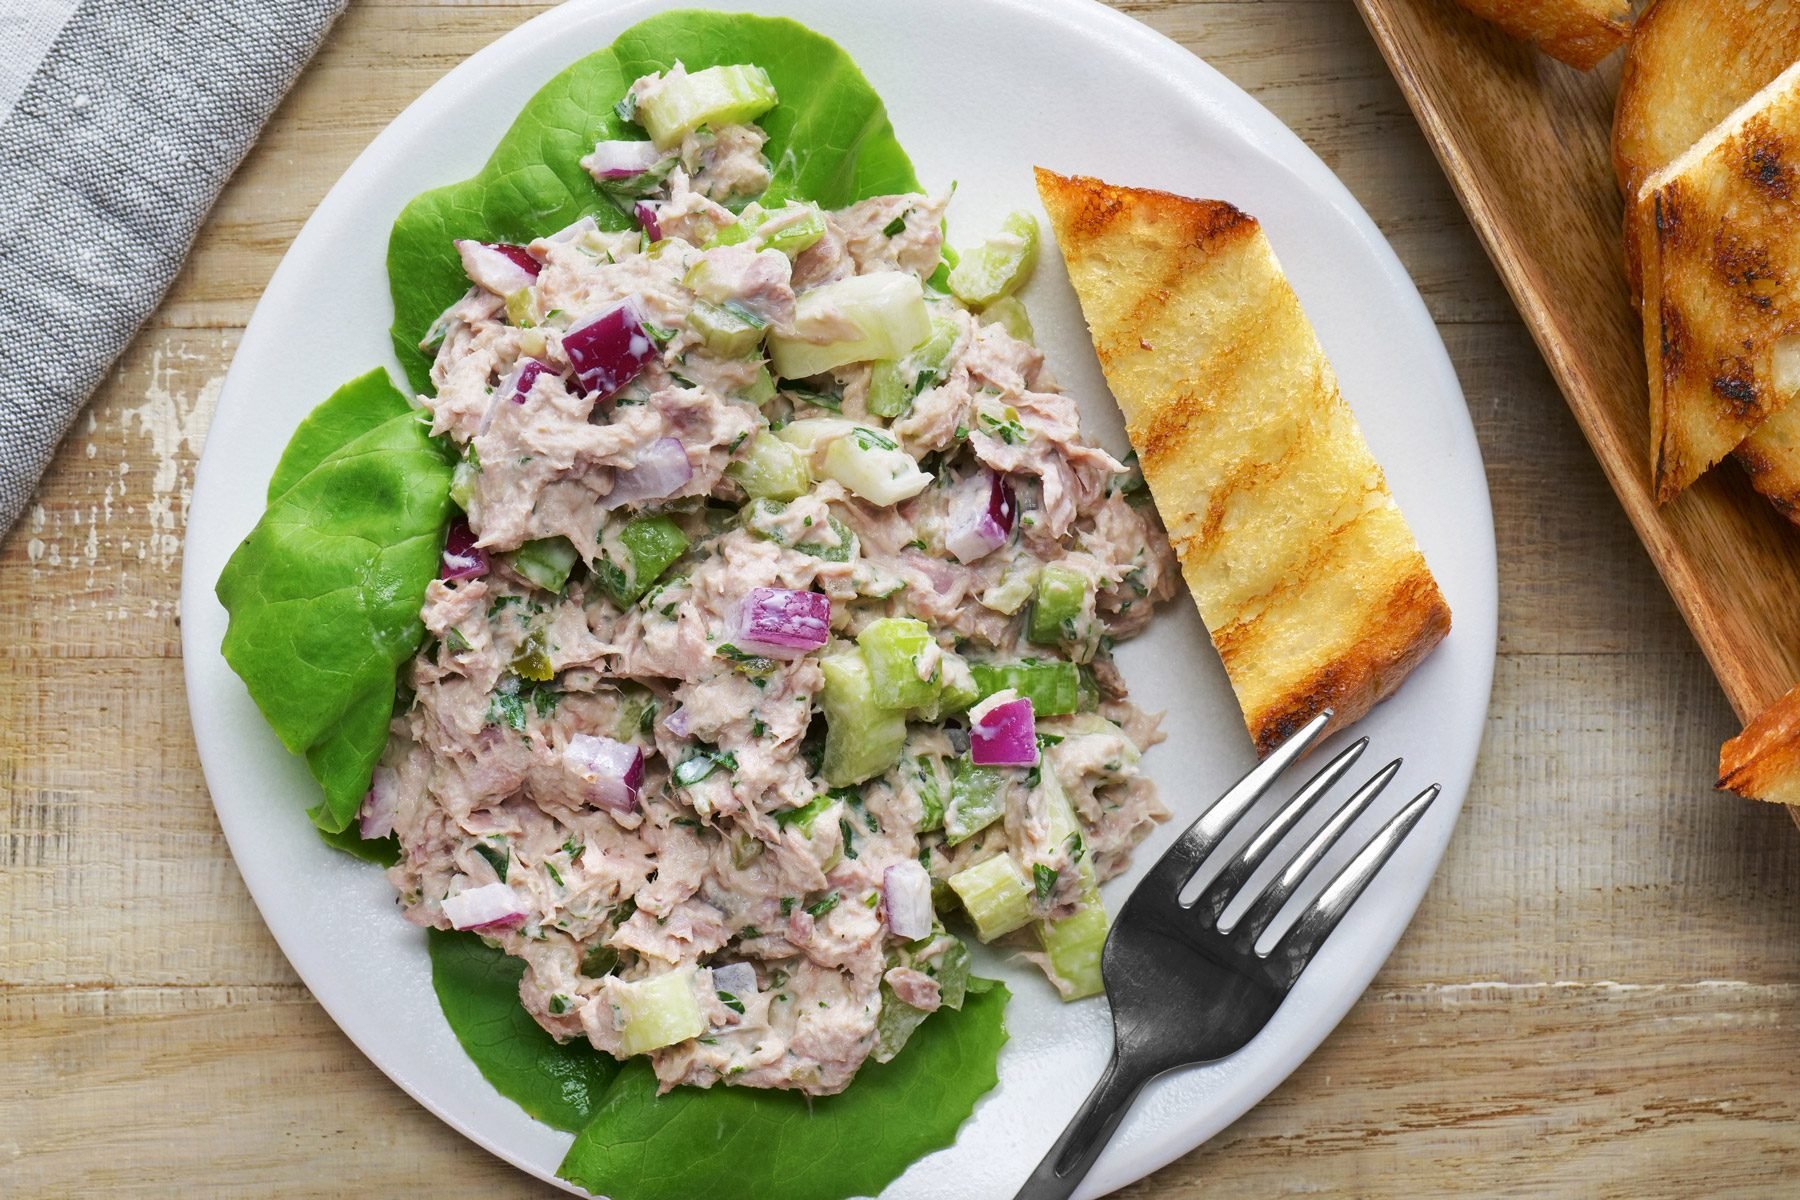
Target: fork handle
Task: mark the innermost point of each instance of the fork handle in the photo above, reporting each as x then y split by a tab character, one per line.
1075	1152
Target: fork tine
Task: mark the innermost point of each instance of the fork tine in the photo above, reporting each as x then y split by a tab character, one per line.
1301	942
1277	893
1219	892
1167	875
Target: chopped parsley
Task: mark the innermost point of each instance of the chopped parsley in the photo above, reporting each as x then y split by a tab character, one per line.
1043	880
825	904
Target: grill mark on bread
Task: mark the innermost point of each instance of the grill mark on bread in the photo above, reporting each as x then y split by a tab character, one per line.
1719	246
1302	566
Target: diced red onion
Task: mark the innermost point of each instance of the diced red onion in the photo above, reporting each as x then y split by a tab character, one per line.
660	469
1003	731
646	219
610	349
499	269
376	819
622	159
982	508
680	722
906	899
521	257
491	906
738	978
611	772
780	622
463	559
515	387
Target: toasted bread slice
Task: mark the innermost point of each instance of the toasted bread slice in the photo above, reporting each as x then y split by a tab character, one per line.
1771	454
1305	572
1579	32
1690	63
1763	762
1719	240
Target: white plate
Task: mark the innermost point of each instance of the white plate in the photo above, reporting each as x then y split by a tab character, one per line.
979	91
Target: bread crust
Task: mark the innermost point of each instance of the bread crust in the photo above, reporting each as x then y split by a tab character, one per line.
1310	582
1719	240
1578	32
1763	762
1690	63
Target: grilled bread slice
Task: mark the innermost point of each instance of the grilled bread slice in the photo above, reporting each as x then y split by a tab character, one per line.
1690	63
1771	456
1579	32
1303	569
1719	241
1763	762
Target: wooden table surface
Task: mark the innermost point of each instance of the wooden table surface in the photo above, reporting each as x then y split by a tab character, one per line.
1597	998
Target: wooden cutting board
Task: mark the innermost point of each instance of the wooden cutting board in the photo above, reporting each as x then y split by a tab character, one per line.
1525	142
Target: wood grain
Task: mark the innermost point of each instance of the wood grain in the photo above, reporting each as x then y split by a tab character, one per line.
1525	143
1597	997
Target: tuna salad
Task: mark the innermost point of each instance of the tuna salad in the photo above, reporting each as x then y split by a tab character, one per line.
771	655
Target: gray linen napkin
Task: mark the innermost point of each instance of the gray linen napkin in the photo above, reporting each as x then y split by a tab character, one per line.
120	121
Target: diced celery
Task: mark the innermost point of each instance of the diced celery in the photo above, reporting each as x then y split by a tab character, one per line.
926	361
1014	589
956	689
723	95
977	800
1052	685
893	384
810	434
872	465
998	266
658	1011
889	396
862	739
794	236
771	469
727	329
795	227
1088	694
1062	594
893	646
996	895
546	562
1073	946
464	480
520	309
886	308
762	388
650	545
736	232
1009	313
926	774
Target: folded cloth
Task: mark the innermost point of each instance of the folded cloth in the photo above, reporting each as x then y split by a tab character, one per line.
120	121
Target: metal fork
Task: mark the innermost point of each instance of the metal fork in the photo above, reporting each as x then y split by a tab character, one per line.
1186	988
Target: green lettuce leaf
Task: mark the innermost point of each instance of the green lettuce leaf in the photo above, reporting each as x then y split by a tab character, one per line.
765	1145
829	139
478	988
324	594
